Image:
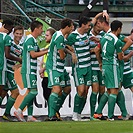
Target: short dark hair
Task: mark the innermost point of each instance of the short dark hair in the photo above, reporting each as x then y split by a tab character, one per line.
102	19
84	20
8	24
35	24
115	25
18	27
66	22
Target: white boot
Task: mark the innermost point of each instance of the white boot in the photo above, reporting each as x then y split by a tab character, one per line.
76	116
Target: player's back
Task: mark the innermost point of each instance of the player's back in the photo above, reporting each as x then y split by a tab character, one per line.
53	61
109	54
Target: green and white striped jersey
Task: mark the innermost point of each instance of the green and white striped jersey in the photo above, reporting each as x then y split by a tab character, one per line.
15	50
122	37
127	65
81	46
111	45
5	40
29	64
93	44
53	61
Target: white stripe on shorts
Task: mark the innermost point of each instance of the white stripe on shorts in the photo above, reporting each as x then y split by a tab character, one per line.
76	77
28	81
51	77
115	76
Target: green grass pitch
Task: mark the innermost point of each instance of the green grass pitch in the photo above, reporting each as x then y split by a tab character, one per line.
67	127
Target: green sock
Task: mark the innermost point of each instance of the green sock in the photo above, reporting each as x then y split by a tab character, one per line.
10	103
93	99
61	100
28	98
30	108
63	97
83	102
52	103
58	105
77	102
99	97
1	100
111	105
102	103
121	103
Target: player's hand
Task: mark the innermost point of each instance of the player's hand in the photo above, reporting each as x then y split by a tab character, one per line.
17	66
42	75
74	58
41	72
131	53
92	51
105	14
70	48
100	65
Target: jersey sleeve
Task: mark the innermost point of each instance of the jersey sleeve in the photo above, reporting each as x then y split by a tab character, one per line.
30	45
121	37
8	41
59	42
118	46
70	40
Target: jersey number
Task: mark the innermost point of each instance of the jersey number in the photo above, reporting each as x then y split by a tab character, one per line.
81	80
13	81
56	79
104	48
33	82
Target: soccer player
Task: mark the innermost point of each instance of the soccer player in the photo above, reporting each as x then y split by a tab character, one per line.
111	53
81	71
55	67
6	40
128	73
104	24
97	79
15	50
43	74
29	70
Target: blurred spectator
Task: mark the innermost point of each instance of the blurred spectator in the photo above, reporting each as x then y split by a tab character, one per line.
81	2
117	2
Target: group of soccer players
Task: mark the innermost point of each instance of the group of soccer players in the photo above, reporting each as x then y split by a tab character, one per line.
10	52
100	58
85	43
